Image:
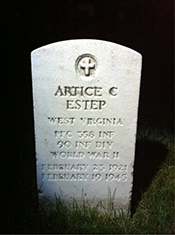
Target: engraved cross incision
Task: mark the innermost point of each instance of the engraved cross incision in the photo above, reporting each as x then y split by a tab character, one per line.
87	64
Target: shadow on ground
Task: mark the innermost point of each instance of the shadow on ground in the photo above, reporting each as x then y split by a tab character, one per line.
148	158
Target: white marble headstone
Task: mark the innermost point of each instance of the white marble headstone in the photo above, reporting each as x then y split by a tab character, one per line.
86	95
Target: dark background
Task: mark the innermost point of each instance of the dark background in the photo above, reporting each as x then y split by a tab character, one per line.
143	25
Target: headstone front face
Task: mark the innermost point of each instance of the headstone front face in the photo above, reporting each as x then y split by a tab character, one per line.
86	96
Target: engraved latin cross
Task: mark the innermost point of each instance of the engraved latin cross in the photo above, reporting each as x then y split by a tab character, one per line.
87	64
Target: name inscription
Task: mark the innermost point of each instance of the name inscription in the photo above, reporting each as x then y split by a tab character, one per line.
89	92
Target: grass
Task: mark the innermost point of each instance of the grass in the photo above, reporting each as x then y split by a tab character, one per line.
154	214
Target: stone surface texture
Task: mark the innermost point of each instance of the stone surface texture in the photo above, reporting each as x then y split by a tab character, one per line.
85	95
